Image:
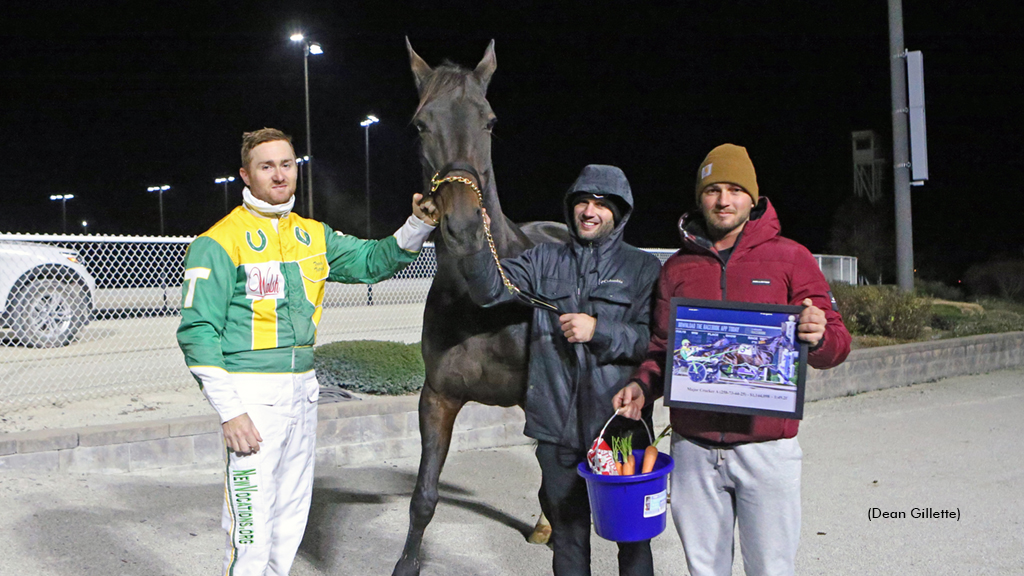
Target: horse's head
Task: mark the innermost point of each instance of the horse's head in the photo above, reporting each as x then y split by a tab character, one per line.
454	121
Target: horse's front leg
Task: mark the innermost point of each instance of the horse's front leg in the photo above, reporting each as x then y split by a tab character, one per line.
437	418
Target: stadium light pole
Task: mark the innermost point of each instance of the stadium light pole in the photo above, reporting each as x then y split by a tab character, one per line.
370	121
224	180
63	210
298	189
85	227
160	193
900	149
315	49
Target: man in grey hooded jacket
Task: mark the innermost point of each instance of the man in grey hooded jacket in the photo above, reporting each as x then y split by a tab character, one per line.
581	355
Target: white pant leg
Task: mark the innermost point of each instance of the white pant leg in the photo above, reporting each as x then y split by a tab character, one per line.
767	479
278	480
251	494
702	508
295	479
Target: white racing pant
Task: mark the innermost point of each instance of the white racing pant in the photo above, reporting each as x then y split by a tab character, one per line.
267	494
755	485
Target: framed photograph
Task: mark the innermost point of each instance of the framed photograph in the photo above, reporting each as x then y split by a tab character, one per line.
735	357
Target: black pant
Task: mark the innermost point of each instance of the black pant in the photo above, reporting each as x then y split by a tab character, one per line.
563	498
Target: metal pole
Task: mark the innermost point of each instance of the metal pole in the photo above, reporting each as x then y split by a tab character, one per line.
367	130
309	140
160	195
300	200
225	197
900	150
64	216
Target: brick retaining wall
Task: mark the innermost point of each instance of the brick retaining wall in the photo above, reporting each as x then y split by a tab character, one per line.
354	432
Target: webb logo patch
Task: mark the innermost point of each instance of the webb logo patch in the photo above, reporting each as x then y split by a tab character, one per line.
705	171
264	281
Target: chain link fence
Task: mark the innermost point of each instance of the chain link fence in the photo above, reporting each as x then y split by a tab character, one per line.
93	316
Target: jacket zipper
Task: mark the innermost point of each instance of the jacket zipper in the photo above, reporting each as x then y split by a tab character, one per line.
721	438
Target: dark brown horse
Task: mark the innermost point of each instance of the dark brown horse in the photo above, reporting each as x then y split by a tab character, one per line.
471	354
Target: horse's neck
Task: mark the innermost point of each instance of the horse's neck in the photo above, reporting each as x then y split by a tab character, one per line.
507	237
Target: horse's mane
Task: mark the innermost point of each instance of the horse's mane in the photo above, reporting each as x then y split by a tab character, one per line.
445	78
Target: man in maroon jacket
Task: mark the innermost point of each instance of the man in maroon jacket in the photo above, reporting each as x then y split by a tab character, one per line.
733	468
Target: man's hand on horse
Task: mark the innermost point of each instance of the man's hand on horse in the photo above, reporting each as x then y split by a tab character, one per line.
423	208
812	323
632	398
578	327
241	435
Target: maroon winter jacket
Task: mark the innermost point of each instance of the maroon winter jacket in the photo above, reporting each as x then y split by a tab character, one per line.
763	268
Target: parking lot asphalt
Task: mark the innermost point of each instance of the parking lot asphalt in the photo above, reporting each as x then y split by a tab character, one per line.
951	445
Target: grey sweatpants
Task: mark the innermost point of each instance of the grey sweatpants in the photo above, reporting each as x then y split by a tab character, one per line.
756	485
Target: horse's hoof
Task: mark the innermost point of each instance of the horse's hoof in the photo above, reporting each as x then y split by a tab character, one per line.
540	535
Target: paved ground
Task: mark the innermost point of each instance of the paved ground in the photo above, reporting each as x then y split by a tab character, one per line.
951	445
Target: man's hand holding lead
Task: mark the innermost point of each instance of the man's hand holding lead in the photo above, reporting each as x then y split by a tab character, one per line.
423	208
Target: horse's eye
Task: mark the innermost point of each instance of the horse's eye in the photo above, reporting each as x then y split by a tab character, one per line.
491	123
421	127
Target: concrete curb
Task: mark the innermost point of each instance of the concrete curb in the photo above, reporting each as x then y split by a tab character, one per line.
354	432
906	364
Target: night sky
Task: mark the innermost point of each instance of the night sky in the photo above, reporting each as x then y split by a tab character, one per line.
102	99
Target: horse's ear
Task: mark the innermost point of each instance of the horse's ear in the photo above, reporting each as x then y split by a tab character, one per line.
486	67
420	69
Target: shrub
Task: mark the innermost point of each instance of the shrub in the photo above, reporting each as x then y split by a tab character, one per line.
999	316
370	366
1003	278
937	289
881	311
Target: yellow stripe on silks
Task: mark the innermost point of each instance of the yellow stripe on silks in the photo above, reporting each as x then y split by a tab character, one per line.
264	324
316	315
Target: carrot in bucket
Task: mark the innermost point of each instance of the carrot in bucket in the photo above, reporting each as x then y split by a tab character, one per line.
626	508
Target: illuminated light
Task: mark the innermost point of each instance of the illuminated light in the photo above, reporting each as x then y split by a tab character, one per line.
314	48
297	37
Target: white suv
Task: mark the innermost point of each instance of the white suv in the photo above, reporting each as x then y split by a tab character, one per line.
46	294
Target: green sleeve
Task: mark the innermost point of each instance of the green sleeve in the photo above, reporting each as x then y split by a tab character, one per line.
205	296
355	261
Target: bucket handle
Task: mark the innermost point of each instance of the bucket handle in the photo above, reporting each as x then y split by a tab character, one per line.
618	413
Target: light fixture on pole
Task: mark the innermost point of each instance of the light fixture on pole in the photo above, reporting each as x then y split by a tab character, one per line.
298	189
225	181
85	227
315	49
160	192
370	121
63	210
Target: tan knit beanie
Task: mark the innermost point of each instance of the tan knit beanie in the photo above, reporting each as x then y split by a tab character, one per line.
728	163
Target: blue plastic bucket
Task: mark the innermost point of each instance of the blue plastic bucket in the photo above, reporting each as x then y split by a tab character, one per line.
629	508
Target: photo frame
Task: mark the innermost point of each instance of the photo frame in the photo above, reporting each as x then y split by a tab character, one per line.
735	357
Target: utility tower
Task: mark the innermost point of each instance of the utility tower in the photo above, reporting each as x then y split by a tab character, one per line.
868	166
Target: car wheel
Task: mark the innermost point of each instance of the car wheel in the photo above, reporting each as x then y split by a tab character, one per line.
47	312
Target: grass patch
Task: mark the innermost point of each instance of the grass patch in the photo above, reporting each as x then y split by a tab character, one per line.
370	366
999	315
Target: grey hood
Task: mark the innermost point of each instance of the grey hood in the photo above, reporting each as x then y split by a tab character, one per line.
606	181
